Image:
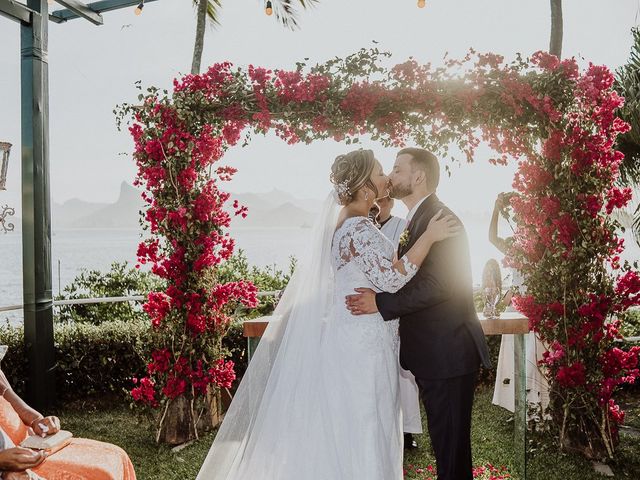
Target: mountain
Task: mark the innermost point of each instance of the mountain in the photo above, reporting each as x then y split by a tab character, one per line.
122	214
65	215
275	198
285	215
270	209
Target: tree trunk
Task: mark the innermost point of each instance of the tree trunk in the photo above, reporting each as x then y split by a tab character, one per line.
199	42
182	420
178	423
555	45
212	415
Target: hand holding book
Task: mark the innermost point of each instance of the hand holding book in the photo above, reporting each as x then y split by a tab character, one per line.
46	426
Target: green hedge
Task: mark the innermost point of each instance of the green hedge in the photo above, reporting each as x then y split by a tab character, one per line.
102	359
91	359
96	359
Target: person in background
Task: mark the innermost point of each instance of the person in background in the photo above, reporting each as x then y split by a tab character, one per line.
82	459
392	227
504	389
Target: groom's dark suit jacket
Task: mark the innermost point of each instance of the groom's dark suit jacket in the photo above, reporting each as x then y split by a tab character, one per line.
440	334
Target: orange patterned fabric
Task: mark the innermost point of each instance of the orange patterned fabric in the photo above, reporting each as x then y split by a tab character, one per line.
11	423
87	459
83	459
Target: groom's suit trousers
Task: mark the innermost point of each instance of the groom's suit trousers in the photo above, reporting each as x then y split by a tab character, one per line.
448	403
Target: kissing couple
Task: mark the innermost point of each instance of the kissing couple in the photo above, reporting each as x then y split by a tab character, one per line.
320	398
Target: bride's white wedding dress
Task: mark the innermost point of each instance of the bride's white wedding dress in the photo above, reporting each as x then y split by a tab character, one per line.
320	398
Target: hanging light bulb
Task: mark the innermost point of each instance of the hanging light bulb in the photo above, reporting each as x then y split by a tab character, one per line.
138	10
422	3
269	9
49	2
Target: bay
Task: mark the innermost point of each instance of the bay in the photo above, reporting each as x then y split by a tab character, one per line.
75	249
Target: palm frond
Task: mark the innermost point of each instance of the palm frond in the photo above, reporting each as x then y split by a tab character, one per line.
628	85
213	10
286	12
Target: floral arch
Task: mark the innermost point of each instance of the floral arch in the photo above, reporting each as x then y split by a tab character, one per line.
557	121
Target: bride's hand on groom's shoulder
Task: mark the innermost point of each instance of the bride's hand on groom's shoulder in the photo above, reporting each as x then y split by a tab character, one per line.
362	303
442	227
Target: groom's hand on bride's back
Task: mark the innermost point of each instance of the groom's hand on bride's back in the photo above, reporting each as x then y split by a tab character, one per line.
362	303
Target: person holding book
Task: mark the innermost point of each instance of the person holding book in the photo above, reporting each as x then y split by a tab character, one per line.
76	458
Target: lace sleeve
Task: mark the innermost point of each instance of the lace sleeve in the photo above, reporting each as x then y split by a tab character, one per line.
365	245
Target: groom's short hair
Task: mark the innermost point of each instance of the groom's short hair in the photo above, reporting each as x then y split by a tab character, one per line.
427	162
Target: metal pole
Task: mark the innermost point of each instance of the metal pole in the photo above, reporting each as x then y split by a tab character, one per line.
36	208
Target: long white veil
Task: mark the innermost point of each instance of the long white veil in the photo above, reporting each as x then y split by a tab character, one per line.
278	393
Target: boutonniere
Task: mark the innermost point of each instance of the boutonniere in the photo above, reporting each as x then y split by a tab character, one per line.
404	238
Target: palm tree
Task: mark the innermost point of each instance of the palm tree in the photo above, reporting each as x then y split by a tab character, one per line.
555	43
628	85
284	11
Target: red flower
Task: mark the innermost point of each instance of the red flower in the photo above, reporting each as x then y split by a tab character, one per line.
530	309
571	376
187	178
616	413
157	307
628	289
148	251
545	60
160	364
552	147
245	292
222	374
569	67
554	354
145	392
174	387
567	230
593	205
618	198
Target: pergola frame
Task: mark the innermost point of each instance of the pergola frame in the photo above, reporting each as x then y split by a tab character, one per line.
36	199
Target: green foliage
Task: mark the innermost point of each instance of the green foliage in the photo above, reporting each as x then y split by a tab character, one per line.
94	360
631	325
119	281
100	348
628	85
235	345
90	359
266	279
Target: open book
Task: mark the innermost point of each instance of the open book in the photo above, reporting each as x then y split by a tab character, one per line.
50	443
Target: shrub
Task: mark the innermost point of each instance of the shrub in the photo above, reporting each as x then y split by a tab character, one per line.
119	281
98	359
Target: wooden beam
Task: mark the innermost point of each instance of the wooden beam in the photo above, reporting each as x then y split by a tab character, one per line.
82	10
508	323
16	11
100	6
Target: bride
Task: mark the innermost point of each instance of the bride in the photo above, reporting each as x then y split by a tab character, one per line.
319	400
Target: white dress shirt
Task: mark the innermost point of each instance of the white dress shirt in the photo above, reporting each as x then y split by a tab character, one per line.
413	211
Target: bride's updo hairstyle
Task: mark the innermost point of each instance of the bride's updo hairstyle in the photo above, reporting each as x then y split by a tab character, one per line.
352	171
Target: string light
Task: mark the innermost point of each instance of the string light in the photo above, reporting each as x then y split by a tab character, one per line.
269	9
422	3
138	10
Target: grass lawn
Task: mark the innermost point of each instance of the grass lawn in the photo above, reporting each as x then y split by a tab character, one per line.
492	437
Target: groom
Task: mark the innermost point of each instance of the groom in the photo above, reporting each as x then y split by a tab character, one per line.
441	340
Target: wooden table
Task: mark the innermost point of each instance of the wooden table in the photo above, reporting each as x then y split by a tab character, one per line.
512	323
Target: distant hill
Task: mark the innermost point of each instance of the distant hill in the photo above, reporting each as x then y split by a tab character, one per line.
270	209
276	198
286	215
122	214
65	215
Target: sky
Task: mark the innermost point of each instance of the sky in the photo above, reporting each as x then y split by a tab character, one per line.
92	69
